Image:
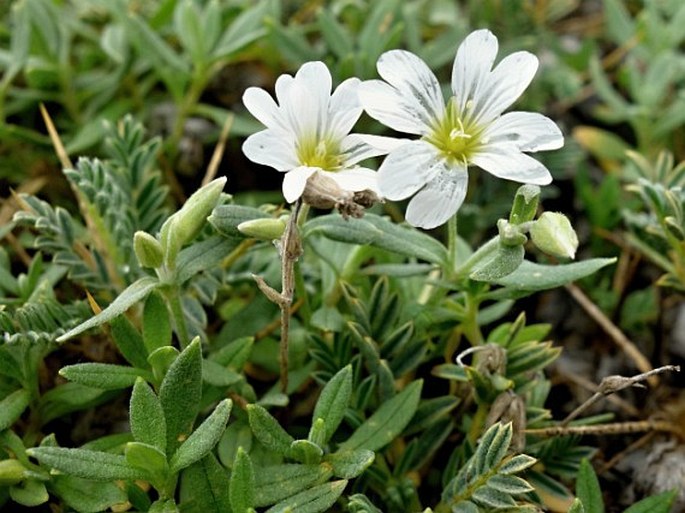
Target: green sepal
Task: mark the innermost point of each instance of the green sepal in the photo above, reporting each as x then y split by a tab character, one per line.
525	204
11	472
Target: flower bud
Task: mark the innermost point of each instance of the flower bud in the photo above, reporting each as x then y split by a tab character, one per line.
265	229
11	472
148	250
553	234
185	224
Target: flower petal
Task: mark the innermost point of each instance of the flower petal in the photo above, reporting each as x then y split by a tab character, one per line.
529	131
439	199
357	147
472	64
271	148
263	107
411	101
408	168
295	181
283	83
344	109
308	99
356	179
504	85
505	160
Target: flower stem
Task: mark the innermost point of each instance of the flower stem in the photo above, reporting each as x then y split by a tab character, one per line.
451	245
173	296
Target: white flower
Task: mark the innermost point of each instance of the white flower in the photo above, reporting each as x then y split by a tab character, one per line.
308	131
469	130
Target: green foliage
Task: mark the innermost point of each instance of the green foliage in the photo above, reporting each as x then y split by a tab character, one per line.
413	373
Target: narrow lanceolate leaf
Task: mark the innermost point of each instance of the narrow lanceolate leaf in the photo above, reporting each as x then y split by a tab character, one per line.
531	277
180	395
205	487
278	482
487	496
242	491
350	464
387	422
148	424
314	500
333	400
267	430
156	323
135	292
105	376
94	465
129	341
588	490
12	406
86	495
203	439
497	445
661	503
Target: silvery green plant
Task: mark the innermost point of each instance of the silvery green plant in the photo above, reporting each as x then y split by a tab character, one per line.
397	371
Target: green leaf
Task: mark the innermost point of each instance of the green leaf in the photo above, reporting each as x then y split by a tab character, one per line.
492	447
161	359
502	263
350	464
387	422
242	490
218	375
246	28
267	430
333	401
94	465
533	277
180	394
29	493
148	424
86	496
12	406
203	439
337	36
135	292
512	485
517	464
314	500
188	26
305	452
661	503
154	47
381	233
129	341
105	376
147	458
226	218
588	490
493	498
156	323
202	256
205	487
277	482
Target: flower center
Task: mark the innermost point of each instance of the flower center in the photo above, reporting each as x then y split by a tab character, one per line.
322	153
457	140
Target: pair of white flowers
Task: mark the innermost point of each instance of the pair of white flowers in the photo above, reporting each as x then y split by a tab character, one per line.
308	131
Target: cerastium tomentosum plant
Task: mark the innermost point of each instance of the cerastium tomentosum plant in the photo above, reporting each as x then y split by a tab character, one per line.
391	373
